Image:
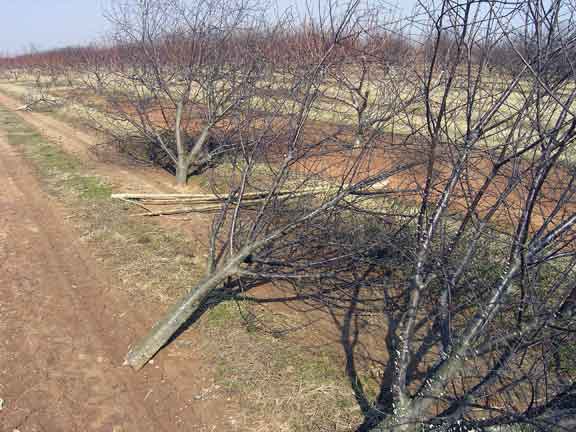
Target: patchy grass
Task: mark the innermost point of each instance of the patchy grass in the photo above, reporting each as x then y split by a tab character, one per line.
282	386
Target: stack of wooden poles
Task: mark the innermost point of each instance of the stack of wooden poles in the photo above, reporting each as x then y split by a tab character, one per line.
182	203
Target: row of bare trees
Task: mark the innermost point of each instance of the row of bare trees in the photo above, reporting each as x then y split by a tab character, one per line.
442	247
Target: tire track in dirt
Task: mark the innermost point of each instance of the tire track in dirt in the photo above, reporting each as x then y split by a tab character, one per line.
65	330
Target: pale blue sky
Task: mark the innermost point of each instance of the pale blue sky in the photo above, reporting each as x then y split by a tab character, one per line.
49	23
56	23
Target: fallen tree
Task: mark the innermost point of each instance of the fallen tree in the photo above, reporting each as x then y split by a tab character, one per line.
243	245
232	266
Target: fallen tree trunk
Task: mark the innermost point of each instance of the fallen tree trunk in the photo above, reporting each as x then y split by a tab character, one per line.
178	314
204	203
159	197
183	196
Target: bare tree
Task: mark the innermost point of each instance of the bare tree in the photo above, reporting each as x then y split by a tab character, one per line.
185	68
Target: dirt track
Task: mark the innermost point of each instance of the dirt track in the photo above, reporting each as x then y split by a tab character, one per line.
65	330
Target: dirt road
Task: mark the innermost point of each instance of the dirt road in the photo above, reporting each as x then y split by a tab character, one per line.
64	330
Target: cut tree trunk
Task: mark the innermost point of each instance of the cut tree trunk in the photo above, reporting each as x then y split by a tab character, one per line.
181	166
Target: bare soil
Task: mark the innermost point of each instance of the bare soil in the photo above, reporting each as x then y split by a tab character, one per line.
65	330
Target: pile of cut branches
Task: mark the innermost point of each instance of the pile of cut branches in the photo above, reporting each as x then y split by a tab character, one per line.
202	203
182	203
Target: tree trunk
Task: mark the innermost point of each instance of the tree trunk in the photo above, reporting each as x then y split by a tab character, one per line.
182	165
180	312
181	172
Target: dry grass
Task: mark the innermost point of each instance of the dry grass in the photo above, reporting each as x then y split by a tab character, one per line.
282	385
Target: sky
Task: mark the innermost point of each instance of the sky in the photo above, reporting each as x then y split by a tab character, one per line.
46	24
